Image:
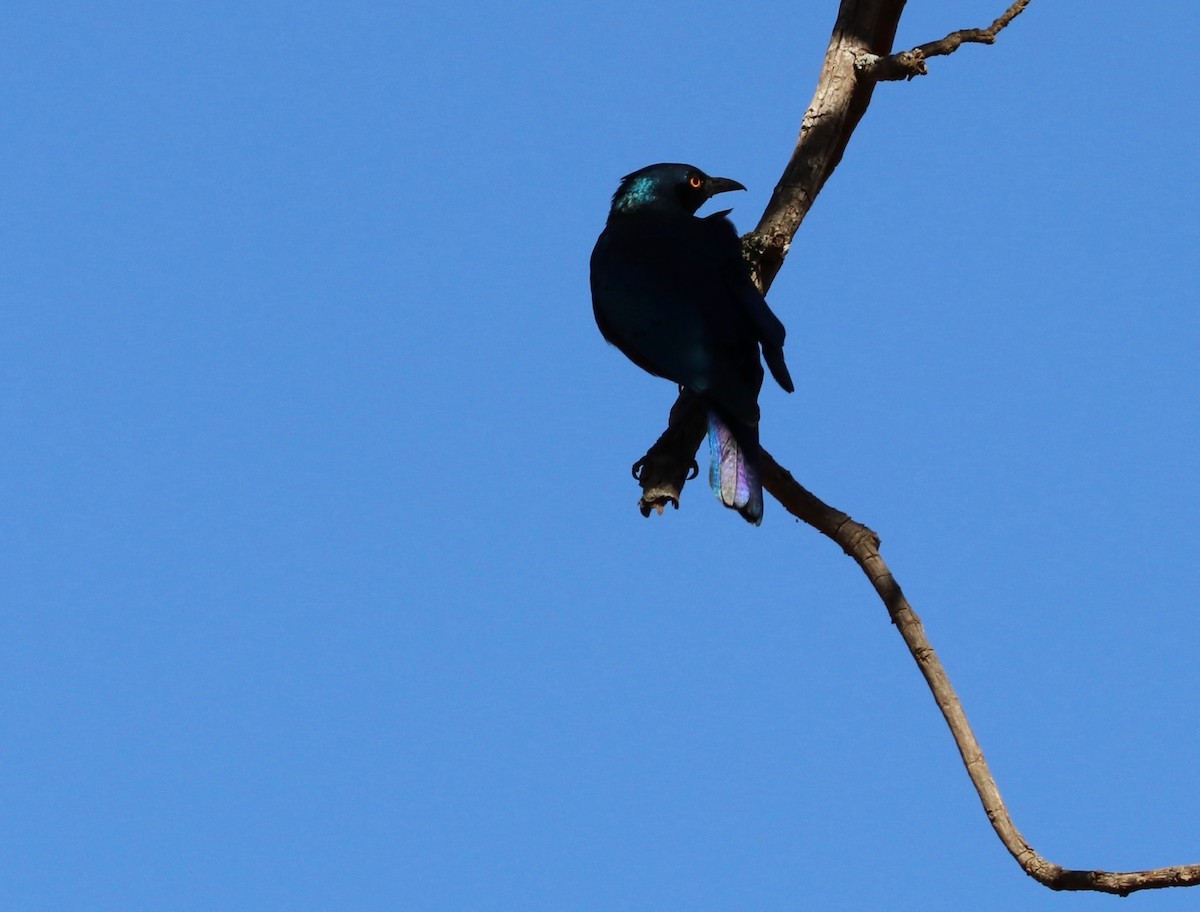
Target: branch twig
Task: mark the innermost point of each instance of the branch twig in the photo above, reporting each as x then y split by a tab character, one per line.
910	64
859	56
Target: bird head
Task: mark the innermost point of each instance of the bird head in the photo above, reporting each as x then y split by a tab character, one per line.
669	186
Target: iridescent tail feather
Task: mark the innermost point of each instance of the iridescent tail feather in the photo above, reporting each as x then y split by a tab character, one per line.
733	471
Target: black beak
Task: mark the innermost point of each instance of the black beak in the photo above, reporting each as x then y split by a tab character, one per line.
722	185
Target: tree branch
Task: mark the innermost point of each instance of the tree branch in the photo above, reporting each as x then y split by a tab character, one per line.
910	64
859	56
863	546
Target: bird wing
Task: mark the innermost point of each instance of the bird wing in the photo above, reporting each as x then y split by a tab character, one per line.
675	296
643	296
736	273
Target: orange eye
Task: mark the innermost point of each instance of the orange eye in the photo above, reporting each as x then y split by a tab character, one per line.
695	182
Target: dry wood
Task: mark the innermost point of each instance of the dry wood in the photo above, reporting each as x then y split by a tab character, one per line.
909	64
863	546
859	56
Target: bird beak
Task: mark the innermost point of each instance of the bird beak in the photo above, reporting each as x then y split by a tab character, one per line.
722	185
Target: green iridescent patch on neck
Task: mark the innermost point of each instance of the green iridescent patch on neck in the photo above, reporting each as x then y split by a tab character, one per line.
641	190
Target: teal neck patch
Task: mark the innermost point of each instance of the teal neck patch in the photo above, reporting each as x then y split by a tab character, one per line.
640	192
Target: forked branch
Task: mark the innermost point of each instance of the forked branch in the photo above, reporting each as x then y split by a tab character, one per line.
858	57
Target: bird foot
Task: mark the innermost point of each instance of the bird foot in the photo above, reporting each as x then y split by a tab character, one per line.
659	489
638	466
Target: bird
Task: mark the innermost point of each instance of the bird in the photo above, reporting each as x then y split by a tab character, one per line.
672	292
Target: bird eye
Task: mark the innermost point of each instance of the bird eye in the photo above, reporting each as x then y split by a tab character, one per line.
695	182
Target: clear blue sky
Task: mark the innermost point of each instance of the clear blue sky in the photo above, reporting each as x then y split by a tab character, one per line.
322	584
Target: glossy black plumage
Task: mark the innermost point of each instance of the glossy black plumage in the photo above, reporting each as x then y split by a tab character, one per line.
673	293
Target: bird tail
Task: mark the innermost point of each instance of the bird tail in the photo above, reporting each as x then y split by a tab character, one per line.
733	468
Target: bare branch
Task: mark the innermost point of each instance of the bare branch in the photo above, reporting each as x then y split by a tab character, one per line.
910	64
863	27
859	56
863	546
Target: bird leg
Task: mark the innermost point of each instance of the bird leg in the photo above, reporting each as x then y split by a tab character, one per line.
671	461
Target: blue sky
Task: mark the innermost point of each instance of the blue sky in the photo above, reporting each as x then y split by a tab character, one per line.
323	585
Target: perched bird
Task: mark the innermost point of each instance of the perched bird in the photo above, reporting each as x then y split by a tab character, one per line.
673	293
